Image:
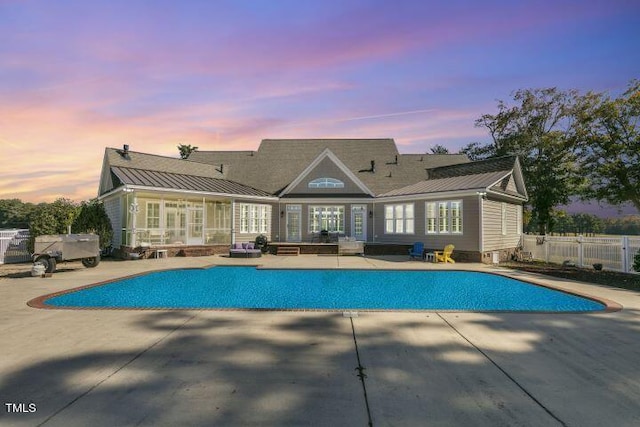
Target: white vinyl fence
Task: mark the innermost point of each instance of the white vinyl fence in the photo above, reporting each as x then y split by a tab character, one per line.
614	253
13	246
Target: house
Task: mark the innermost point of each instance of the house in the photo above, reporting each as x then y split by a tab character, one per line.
307	192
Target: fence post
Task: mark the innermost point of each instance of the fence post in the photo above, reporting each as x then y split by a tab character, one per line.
625	259
580	252
545	242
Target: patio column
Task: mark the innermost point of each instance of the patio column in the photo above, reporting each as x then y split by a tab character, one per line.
134	209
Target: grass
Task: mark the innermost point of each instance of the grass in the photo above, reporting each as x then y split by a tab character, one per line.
587	275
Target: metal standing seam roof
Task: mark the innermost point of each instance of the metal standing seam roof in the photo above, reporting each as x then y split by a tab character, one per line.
465	182
168	180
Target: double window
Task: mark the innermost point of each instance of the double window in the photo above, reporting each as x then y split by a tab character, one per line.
399	219
329	218
444	217
254	218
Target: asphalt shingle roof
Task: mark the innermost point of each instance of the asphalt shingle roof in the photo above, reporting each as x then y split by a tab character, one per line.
480	166
278	162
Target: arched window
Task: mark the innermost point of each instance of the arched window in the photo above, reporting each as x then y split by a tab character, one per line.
326	183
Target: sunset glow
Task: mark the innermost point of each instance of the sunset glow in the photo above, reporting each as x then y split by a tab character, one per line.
78	76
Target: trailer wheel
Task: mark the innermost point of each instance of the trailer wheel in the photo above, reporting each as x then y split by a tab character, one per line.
48	262
91	262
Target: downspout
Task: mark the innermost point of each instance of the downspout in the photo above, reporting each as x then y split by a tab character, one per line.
481	196
373	221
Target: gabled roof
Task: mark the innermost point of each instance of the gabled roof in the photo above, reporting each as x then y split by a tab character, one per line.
168	180
133	159
149	170
455	183
327	154
278	162
498	175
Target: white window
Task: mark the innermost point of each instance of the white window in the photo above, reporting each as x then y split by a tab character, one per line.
326	183
329	218
399	219
432	218
504	218
456	217
254	218
153	214
443	217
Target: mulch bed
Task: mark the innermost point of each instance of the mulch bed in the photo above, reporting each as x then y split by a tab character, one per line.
604	277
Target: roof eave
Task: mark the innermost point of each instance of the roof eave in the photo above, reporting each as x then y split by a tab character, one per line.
203	193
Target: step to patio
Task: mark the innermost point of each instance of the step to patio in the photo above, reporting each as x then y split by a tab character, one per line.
288	250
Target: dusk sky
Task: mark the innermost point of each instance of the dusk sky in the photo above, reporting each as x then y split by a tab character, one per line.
79	76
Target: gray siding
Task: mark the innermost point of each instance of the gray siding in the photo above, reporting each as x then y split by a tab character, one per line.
112	206
250	237
492	230
279	222
326	169
467	241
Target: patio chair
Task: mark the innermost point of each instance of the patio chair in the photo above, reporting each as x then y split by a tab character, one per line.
417	250
445	255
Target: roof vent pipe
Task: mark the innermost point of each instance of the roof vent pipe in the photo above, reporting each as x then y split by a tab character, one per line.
125	148
371	169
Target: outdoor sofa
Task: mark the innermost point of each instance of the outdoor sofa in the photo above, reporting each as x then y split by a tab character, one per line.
244	250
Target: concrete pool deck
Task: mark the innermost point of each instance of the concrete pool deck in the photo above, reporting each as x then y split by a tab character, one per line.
190	367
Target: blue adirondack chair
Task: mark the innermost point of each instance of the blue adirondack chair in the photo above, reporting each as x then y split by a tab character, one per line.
417	250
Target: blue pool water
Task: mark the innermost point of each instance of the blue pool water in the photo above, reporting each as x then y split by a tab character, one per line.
251	288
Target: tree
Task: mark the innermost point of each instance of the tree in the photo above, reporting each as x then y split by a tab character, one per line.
186	150
439	149
14	213
609	146
478	151
51	218
93	218
539	129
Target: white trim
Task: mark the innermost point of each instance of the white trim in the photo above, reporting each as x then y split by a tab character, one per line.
326	153
450	217
324	200
506	196
404	219
499	180
193	192
481	221
519	179
365	214
432	196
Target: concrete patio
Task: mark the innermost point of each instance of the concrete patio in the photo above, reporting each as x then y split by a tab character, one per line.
136	367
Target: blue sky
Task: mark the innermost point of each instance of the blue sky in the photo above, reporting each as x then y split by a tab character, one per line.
78	76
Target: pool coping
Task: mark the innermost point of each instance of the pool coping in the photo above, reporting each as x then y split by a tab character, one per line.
610	306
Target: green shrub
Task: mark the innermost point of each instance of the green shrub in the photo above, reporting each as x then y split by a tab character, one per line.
636	262
93	218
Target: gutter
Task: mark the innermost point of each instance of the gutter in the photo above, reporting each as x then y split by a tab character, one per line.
199	193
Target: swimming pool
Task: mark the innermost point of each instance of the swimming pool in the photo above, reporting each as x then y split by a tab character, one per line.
224	287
